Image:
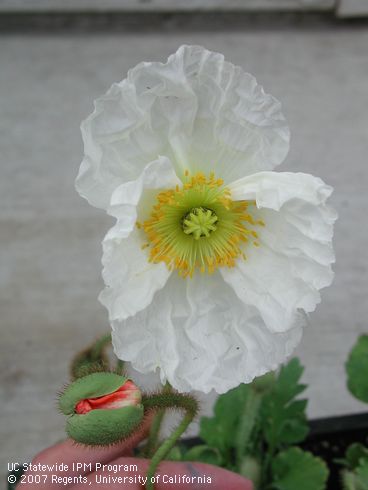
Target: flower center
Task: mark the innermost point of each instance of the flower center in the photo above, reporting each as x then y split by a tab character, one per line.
199	222
198	226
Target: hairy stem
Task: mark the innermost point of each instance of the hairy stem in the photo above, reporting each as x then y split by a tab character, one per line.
159	402
91	359
99	346
154	433
247	423
156	426
119	367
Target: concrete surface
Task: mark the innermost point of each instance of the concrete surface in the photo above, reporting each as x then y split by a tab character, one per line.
160	5
352	8
50	237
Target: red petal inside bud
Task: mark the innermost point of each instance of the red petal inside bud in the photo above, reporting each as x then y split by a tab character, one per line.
126	395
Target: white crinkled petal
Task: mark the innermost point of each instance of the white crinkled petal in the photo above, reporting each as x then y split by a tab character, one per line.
200	111
200	336
284	275
158	174
273	189
131	280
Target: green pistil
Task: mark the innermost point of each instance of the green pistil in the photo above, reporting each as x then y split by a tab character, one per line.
199	222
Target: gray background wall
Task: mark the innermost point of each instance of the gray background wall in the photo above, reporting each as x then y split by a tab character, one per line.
50	238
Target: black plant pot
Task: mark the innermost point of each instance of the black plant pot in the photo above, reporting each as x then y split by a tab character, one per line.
330	437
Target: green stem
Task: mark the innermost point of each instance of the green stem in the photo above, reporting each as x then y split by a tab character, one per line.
91	359
247	423
154	433
99	346
266	467
119	367
161	401
156	426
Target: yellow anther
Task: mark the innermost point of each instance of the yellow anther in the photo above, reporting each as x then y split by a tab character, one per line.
199	226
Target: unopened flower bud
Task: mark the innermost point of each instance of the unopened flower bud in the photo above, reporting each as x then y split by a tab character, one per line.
103	408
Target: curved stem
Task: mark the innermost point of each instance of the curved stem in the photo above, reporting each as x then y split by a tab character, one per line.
154	433
156	426
168	400
98	349
91	359
99	346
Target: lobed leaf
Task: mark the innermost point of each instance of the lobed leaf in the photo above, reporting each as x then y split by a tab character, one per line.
283	418
295	469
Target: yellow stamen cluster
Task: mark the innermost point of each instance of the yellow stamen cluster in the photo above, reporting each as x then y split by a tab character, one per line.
198	226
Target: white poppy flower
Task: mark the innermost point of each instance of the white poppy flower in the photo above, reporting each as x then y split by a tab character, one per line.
214	260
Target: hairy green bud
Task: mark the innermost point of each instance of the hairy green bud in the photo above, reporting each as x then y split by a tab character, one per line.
103	408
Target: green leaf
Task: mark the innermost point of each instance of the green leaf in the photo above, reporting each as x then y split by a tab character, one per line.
295	469
220	430
362	475
358	479
264	383
348	480
284	419
357	369
288	386
355	453
204	454
175	454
